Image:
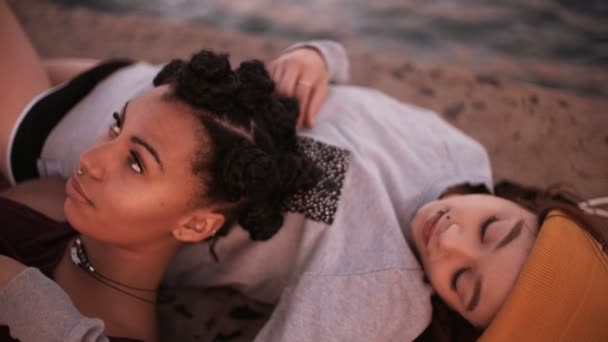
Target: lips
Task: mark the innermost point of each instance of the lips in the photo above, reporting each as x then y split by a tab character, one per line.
74	191
430	225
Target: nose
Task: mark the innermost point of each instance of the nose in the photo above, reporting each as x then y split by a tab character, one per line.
95	161
456	240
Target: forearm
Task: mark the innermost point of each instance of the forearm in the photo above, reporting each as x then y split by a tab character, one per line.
60	70
36	309
43	195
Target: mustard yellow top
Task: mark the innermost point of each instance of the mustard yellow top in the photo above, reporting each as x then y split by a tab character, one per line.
562	292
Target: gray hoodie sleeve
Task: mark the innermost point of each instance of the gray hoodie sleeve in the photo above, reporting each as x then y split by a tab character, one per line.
334	55
36	309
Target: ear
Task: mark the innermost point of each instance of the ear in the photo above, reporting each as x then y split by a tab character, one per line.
198	226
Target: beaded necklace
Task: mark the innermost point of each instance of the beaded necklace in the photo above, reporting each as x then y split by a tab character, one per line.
79	258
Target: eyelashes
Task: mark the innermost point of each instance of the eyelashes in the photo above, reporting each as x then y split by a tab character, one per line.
117	118
460	272
455	277
116	126
485	225
134	160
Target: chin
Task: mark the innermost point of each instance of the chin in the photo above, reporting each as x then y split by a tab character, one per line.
416	225
74	215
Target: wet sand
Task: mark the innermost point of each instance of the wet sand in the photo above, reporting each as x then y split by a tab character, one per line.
533	134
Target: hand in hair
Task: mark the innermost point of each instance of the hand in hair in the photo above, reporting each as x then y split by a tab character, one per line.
302	74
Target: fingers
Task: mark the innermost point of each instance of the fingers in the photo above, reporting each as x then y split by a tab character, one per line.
303	92
287	83
283	76
276	69
315	102
302	74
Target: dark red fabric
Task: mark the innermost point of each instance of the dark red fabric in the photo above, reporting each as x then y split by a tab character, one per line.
34	240
31	237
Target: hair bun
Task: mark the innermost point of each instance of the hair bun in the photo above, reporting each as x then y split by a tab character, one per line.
280	122
207	81
255	87
247	170
297	172
167	73
253	76
209	67
262	221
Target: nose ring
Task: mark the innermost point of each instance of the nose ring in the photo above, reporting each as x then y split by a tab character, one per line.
80	171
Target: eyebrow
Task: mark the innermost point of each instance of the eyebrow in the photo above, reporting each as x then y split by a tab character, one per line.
137	140
512	235
123	113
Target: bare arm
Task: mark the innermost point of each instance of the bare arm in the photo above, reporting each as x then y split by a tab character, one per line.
60	70
43	195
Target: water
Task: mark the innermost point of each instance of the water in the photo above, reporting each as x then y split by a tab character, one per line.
556	43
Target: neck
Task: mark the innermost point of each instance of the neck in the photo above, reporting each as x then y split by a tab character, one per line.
134	266
139	267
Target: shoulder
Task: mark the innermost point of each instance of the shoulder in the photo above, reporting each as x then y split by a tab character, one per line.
31	236
45	196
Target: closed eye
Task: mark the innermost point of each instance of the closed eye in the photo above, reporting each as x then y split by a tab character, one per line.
485	225
455	277
474	300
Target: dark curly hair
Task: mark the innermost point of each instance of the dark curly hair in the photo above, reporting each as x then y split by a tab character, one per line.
249	162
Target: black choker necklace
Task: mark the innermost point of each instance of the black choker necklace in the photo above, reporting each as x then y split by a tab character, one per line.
80	259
